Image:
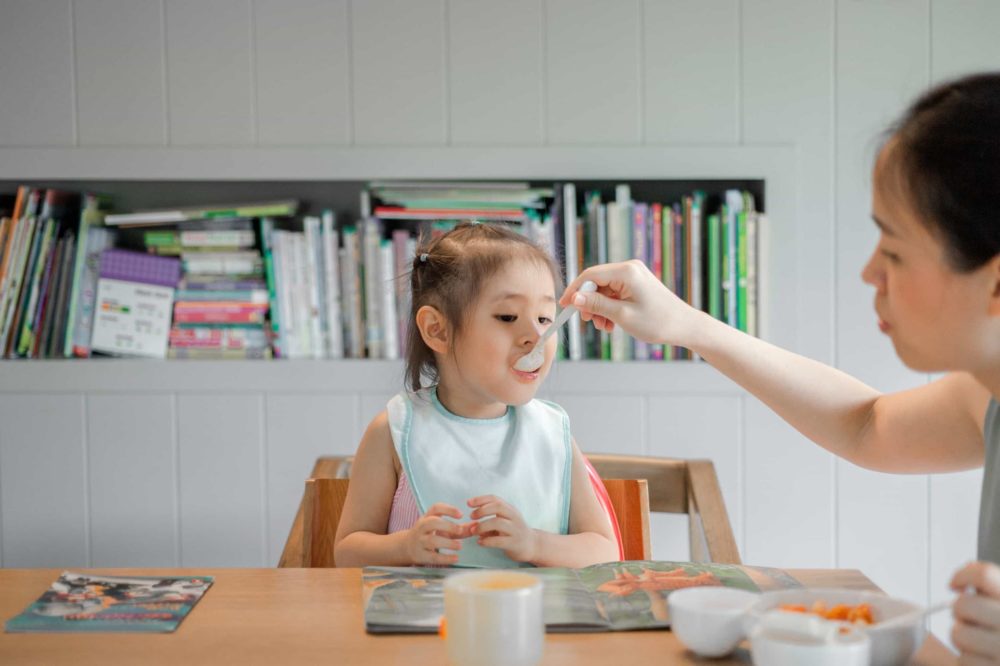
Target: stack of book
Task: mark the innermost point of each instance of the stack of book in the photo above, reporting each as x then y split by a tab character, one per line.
50	247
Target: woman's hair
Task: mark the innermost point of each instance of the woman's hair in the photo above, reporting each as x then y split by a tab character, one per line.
945	154
449	273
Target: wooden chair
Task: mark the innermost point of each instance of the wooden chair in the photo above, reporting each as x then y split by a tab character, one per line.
674	486
324	498
686	487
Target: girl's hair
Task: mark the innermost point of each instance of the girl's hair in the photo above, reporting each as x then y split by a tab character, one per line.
946	157
449	273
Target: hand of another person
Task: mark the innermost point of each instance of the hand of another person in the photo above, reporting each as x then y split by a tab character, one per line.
629	295
505	530
432	532
976	632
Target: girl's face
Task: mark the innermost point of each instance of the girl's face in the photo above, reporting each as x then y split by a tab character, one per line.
938	319
516	305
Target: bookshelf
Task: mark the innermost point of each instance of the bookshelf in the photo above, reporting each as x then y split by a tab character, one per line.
653	174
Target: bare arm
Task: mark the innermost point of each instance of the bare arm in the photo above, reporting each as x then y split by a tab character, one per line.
933	428
590	539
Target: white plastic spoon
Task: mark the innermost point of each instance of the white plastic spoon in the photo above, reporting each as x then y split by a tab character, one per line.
914	615
534	359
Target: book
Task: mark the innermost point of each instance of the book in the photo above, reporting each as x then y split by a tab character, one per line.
611	596
330	242
210	212
78	602
92	239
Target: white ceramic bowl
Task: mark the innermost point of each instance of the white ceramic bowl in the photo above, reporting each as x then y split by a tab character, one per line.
889	647
709	621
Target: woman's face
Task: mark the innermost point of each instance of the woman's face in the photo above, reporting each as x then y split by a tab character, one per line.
938	319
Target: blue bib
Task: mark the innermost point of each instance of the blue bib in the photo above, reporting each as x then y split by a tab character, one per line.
523	457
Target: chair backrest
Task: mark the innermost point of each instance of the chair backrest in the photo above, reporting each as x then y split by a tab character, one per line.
681	486
324	499
324	502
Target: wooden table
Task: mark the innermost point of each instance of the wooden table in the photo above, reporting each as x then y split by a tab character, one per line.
314	616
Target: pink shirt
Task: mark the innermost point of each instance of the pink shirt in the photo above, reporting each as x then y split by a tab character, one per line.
404	512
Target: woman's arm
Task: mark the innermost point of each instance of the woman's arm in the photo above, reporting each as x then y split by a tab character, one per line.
933	428
590	539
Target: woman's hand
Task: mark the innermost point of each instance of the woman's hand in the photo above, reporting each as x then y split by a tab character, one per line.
976	632
506	529
432	532
629	295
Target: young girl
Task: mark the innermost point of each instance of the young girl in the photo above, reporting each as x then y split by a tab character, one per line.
472	470
936	277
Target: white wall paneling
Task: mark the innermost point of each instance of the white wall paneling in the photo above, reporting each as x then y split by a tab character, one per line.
398	79
791	92
36	74
301	50
495	71
592	71
120	83
691	71
209	73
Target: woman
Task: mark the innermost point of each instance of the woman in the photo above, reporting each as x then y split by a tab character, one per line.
936	274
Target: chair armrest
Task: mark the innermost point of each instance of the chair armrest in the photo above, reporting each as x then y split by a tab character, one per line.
711	534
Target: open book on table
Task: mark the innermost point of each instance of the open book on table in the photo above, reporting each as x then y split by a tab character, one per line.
612	596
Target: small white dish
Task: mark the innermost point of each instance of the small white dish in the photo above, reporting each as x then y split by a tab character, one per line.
892	645
781	638
709	621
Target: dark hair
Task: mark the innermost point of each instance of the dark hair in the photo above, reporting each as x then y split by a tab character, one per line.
946	154
449	273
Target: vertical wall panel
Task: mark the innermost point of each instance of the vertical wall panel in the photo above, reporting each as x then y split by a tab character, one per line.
596	431
691	66
964	37
133	480
592	78
119	72
36	73
302	55
398	76
882	518
495	71
43	493
779	462
221	451
300	428
703	427
209	82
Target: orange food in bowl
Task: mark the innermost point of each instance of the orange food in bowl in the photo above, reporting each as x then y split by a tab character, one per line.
859	614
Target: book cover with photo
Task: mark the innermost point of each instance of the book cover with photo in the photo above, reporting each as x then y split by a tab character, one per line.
78	602
612	596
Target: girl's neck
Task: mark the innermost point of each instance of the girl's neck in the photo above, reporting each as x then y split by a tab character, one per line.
465	403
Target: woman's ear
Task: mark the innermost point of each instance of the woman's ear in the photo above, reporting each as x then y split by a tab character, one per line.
994	269
433	328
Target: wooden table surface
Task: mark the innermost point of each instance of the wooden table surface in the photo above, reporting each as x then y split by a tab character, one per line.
313	616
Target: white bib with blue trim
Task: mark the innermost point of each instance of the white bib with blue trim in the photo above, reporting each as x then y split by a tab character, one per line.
523	457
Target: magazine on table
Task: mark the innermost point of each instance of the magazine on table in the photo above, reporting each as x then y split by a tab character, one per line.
613	596
79	602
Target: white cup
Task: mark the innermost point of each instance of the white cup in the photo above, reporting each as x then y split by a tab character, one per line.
494	618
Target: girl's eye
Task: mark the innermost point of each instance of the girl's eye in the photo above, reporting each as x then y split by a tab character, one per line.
891	256
544	320
507	318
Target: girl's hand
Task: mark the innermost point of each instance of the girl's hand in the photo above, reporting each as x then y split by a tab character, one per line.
432	532
506	530
629	295
976	632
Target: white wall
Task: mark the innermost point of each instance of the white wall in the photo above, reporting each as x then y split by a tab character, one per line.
100	81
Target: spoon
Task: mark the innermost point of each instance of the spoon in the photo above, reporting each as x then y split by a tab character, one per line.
534	359
912	616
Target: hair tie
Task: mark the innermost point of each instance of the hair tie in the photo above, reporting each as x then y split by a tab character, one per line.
423	257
